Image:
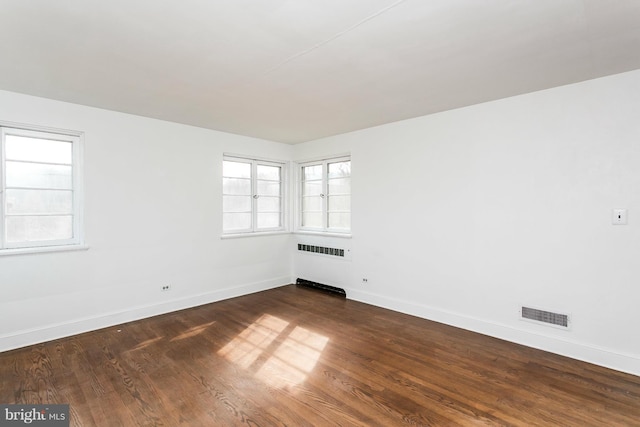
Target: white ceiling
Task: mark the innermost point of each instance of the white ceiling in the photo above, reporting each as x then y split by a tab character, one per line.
298	70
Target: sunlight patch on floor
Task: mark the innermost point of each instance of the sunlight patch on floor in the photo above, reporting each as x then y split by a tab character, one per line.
146	343
192	332
294	359
279	365
245	348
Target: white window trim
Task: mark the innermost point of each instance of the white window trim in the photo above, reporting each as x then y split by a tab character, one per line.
43	249
345	235
77	139
253	234
328	232
284	211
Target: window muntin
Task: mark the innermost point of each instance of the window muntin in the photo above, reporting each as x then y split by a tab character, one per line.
40	189
325	195
252	195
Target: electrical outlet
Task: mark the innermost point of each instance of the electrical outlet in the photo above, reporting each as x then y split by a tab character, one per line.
166	288
365	280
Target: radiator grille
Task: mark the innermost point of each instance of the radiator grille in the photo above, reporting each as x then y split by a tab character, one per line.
321	250
548	317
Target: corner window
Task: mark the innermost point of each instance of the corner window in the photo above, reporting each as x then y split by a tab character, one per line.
325	195
252	195
40	189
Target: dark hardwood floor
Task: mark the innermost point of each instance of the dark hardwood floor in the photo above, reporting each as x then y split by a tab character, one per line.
293	356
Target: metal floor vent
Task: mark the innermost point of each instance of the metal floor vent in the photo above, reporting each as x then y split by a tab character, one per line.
548	317
321	250
321	287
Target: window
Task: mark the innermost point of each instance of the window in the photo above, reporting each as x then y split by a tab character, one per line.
325	192
40	189
252	195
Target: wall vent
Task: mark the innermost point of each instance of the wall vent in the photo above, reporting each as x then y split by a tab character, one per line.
321	250
560	320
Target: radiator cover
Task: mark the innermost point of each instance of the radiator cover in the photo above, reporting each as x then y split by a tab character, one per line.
321	287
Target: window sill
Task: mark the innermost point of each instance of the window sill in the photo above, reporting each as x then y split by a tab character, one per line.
323	234
276	233
43	249
254	234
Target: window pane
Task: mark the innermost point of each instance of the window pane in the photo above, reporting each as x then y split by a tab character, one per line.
268	188
340	169
339	220
340	186
339	203
325	201
236	203
312	219
312	204
236	221
268	172
38	175
268	204
258	191
312	172
38	228
312	188
238	186
268	220
236	169
39	201
38	149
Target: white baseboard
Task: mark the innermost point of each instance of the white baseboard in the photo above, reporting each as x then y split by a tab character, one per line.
23	338
628	363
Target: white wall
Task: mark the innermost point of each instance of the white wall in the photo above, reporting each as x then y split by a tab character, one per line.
463	216
459	217
152	217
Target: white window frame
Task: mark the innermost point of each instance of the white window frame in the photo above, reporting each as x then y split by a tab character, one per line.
325	230
284	180
77	143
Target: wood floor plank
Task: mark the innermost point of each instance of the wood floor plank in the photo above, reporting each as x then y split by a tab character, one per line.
296	357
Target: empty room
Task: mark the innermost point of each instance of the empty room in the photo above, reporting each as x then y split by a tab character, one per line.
320	213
